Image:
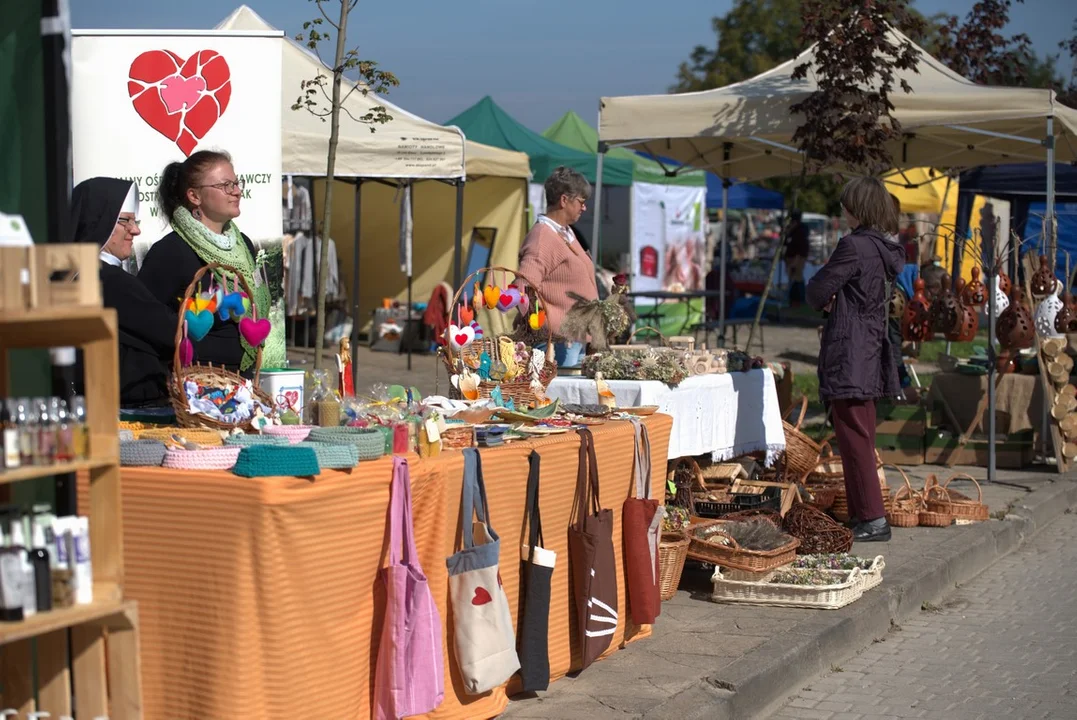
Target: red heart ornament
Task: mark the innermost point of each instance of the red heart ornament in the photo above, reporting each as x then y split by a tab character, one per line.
292	397
181	99
482	596
254	331
462	339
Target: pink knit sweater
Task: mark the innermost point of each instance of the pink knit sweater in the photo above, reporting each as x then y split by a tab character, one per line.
557	267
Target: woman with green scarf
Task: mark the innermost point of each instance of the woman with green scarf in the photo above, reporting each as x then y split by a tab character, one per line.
200	197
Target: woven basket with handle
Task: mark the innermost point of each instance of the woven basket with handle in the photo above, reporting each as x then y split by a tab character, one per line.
672	552
710	544
801	452
518	390
904	509
208	374
941	498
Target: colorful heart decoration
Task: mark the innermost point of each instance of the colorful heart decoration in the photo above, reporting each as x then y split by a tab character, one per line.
510	298
476	329
482	596
466	315
198	304
292	398
461	337
525	303
198	324
254	332
186	352
181	99
246	303
492	294
537	319
231	307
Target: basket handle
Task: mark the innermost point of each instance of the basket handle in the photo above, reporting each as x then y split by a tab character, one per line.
736	545
515	273
904	477
965	476
932	487
692	465
653	329
803	412
178	376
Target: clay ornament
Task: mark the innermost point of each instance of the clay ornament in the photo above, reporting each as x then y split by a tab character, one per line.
945	310
1047	311
1043	280
975	293
1004	282
1066	319
969	321
1015	329
460	337
916	323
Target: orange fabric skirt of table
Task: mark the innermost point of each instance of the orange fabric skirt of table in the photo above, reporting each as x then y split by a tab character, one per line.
260	598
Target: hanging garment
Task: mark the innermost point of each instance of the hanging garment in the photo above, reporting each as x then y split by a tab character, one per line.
409	678
594	567
484	640
536	573
641	520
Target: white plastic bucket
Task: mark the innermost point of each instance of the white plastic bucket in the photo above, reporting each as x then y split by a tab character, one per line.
284	385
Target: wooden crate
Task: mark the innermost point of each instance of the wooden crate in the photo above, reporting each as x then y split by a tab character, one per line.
908	420
62	275
1015	453
905	449
103	663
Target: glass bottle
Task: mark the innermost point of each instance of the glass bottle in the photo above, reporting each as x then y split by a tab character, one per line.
46	434
27	432
10	436
80	434
65	451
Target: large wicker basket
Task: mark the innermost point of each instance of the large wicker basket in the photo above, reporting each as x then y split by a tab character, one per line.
942	499
904	508
729	554
517	390
672	551
801	452
209	374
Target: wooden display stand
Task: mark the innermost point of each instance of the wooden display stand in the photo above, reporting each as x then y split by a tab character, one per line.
54	311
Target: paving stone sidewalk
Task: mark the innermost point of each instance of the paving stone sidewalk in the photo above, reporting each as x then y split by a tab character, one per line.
1003	646
703	653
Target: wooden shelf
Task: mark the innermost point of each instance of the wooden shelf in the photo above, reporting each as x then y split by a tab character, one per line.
52	327
61	619
33	472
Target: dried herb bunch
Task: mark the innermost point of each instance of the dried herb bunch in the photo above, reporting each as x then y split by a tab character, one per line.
650	364
760	535
599	320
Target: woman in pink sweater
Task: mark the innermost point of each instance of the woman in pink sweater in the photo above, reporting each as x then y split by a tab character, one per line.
551	257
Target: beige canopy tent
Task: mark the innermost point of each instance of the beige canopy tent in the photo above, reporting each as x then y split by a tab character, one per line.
372	168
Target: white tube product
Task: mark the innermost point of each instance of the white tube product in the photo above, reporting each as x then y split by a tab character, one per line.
83	567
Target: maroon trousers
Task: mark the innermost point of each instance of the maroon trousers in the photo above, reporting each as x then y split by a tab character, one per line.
854	424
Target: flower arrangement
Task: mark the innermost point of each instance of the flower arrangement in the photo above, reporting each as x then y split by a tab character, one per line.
647	364
676	519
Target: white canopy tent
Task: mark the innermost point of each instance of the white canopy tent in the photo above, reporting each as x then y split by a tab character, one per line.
745	131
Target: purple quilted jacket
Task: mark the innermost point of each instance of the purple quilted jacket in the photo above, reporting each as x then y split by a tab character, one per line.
856	359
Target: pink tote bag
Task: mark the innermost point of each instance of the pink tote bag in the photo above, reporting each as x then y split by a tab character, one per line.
409	678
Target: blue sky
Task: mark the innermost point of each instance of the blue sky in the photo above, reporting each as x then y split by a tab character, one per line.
537	59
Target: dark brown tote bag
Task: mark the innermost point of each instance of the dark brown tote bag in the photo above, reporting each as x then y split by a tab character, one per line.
641	520
594	567
536	573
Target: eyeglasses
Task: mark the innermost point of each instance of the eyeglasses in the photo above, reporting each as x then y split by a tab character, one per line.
128	222
582	201
228	186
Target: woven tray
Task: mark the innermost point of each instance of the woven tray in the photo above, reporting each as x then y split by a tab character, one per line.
142	453
294	433
370	442
872	576
217	458
846	588
733	555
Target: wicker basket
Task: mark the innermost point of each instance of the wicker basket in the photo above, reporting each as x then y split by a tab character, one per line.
935	519
517	390
823	496
847	587
458	437
905	507
801	452
942	499
672	551
829	467
871	576
208	374
732	555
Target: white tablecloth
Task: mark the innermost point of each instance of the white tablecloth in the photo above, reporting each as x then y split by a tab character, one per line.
725	415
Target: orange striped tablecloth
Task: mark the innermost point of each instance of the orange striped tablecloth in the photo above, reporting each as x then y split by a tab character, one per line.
259	598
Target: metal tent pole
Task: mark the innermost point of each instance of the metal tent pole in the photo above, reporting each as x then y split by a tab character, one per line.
721	260
355	279
1049	215
458	233
992	313
597	219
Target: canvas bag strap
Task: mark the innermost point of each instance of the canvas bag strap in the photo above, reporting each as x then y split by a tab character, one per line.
401	531
534	517
641	465
587	476
473	497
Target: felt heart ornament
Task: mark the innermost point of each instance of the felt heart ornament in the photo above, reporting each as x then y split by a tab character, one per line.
476	330
231	306
198	324
180	98
510	298
525	303
492	294
537	319
254	332
246	303
461	337
466	315
482	596
186	351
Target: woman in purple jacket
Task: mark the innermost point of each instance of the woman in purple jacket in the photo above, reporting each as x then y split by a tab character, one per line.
857	363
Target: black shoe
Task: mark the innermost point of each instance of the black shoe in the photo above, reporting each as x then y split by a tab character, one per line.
865	532
851	523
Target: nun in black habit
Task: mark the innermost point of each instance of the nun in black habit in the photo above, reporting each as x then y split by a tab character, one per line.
104	212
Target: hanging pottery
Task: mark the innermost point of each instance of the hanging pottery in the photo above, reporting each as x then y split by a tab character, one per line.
945	310
975	292
1066	319
1002	298
1004	282
460	337
969	321
1047	312
1042	283
916	322
1015	328
1006	363
897	303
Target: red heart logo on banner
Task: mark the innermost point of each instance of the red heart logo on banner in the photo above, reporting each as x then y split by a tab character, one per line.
181	99
292	396
482	596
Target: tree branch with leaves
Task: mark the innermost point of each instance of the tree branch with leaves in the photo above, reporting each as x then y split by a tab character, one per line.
322	97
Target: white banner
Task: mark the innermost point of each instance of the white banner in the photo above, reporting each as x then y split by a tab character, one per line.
142	99
669	240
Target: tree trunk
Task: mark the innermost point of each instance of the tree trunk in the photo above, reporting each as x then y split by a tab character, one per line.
330	169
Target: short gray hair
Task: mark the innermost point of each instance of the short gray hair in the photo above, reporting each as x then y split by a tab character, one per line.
565	181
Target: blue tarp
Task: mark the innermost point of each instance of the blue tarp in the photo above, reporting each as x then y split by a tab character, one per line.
742	196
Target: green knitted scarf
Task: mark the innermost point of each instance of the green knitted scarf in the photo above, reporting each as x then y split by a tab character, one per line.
226	249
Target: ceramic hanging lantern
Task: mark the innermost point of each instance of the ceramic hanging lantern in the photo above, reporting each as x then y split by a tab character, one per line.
1015	328
1002	294
945	311
1047	311
1006	363
897	304
916	322
975	292
969	318
1042	283
1066	319
1004	282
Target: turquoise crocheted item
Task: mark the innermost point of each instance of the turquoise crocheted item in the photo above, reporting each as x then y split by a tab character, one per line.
274	460
254	439
332	456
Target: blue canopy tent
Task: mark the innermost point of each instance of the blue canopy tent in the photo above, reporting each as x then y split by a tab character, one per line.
1024	186
742	196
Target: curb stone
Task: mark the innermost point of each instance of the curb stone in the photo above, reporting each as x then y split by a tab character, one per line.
767	674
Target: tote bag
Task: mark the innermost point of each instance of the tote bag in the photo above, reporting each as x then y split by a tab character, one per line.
484	640
641	519
536	571
594	567
409	678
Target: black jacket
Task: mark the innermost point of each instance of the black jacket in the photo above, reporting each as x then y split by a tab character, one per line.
167	270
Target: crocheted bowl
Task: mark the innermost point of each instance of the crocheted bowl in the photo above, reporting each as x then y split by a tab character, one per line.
334	456
276	461
255	439
216	458
142	453
294	433
370	443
